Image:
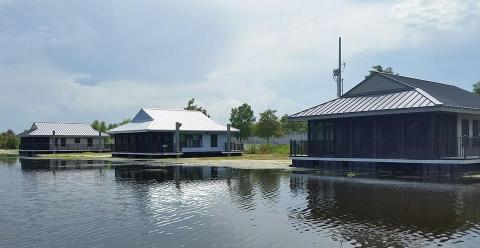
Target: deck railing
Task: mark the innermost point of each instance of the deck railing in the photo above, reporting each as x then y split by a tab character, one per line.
143	147
65	147
234	147
415	148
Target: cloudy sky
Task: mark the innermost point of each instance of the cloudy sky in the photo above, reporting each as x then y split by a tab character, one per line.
83	60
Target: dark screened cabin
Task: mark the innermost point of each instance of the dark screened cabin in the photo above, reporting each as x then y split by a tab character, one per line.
392	118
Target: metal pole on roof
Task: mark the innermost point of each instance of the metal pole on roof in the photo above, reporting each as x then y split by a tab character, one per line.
339	82
337	73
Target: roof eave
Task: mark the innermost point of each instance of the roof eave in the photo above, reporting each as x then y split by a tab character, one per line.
370	113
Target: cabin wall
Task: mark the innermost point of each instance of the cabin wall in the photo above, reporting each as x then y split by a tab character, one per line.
152	142
206	145
71	140
143	142
470	119
419	136
48	143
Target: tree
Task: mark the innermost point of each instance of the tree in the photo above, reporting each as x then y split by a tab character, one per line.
242	117
103	127
292	126
268	125
379	68
476	88
115	125
192	106
8	140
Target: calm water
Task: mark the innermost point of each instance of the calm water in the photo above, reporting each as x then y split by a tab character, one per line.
57	204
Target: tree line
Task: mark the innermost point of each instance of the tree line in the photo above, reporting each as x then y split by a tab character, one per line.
102	126
268	125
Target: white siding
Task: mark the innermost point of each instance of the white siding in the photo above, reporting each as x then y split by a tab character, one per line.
221	140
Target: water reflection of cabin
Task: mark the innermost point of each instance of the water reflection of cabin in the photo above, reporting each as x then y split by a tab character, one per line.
394	119
154	132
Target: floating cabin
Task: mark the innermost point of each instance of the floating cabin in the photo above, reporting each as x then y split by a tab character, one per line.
166	133
56	137
392	119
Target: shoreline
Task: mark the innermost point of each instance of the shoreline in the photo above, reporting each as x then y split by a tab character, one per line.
246	161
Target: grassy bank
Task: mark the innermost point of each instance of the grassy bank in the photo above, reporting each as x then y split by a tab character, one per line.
258	152
100	156
9	152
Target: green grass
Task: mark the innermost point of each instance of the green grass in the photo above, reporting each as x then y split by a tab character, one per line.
83	155
8	152
247	156
257	152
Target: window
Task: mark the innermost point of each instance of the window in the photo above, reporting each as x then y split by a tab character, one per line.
56	141
192	140
77	140
465	128
63	142
213	140
89	142
475	128
476	140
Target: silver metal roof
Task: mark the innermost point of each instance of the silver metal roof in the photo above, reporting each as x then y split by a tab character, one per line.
398	100
152	119
61	129
378	95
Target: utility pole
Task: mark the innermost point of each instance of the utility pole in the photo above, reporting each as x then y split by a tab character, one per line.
339	82
337	73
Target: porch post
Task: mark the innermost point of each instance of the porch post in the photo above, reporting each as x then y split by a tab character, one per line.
375	137
177	137
351	138
54	144
402	138
229	140
432	136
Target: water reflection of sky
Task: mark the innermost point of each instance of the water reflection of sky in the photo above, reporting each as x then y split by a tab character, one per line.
60	203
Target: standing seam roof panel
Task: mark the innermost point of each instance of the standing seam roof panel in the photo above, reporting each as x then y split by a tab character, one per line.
414	101
379	101
408	99
359	104
341	103
329	107
387	100
397	97
400	98
372	101
353	101
346	106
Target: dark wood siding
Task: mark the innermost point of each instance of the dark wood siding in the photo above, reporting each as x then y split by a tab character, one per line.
144	142
425	135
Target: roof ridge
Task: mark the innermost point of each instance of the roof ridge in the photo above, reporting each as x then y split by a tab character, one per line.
424	80
54	122
183	110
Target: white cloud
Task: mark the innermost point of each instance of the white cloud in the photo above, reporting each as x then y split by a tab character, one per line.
437	14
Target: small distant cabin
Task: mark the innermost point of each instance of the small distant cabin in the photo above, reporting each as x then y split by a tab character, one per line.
392	119
163	133
56	137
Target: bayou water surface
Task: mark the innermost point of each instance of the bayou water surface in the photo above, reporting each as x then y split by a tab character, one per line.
58	204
